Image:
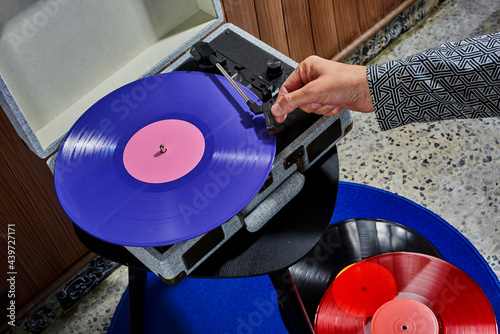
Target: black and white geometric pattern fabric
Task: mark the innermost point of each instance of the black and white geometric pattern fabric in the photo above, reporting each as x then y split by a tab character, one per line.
453	80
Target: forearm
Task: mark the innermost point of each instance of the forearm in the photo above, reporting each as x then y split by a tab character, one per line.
453	80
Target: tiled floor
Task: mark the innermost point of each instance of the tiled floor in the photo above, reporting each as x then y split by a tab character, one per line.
466	197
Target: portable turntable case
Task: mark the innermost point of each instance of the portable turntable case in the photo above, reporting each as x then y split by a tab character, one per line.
58	57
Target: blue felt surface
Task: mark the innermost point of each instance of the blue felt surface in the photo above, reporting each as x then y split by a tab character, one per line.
249	305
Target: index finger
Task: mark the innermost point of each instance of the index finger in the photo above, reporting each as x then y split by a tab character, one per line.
292	83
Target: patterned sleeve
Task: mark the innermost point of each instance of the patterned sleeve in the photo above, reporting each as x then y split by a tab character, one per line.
453	80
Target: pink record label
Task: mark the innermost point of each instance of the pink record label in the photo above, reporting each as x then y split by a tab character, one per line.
404	316
183	147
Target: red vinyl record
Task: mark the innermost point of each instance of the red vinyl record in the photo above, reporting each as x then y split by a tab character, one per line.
404	293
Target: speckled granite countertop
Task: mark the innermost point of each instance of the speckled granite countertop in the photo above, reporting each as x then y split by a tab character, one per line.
450	167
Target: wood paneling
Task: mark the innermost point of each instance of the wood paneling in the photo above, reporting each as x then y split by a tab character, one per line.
36	181
26	286
272	24
35	269
324	28
298	27
46	244
242	14
370	12
347	18
388	5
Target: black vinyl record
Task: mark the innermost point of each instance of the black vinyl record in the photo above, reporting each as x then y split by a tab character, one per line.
346	243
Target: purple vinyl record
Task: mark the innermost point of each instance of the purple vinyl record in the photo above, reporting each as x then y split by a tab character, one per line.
163	159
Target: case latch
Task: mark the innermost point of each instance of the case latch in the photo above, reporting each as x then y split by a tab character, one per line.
295	158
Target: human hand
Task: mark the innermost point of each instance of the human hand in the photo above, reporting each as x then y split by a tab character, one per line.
323	87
